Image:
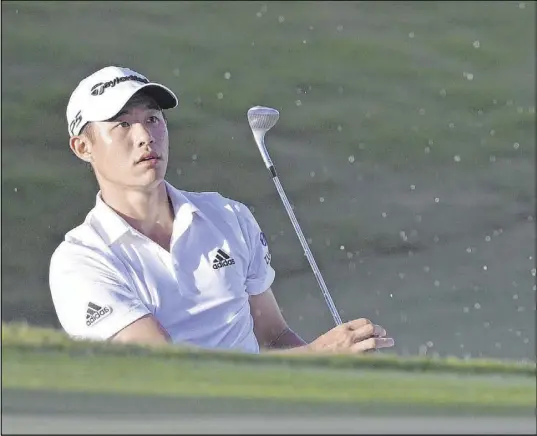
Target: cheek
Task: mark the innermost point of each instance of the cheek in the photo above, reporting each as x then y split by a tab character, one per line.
103	135
111	152
161	130
160	134
109	147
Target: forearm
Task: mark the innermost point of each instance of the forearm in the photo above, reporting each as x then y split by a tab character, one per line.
286	340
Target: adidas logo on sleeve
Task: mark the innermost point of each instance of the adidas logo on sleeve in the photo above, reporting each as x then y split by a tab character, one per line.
96	313
222	259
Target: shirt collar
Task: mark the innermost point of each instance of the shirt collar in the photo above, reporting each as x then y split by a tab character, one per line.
107	222
180	201
111	226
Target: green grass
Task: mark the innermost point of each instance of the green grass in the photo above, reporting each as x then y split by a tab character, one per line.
380	70
45	359
178	377
366	89
24	338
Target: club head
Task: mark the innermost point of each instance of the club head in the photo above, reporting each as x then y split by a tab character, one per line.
262	119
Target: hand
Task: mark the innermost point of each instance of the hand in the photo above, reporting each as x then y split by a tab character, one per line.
355	336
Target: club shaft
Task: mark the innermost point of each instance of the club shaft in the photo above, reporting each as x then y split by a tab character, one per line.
305	246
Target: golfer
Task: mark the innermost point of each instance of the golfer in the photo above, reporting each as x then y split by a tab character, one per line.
153	264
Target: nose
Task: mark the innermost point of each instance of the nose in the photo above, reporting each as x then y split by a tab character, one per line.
143	135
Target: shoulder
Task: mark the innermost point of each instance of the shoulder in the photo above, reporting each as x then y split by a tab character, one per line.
78	271
215	201
217	207
82	249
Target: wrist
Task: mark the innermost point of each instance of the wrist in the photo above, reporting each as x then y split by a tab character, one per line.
287	339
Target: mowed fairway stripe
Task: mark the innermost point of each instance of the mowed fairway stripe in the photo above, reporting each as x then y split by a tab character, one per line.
147	375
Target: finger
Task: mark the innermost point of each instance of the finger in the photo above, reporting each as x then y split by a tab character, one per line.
380	332
357	323
364	332
384	343
372	344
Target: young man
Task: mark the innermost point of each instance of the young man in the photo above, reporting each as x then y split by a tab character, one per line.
154	264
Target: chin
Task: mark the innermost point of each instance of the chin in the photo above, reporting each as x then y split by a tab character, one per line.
147	181
152	182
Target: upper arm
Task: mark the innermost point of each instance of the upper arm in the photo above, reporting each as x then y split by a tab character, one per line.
260	274
267	316
91	299
145	330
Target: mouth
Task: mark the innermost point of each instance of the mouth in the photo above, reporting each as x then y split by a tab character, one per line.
149	158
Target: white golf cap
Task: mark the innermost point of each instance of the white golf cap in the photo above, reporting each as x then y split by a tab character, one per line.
103	94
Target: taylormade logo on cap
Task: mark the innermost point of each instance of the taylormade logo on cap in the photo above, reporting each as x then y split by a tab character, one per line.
100	87
103	94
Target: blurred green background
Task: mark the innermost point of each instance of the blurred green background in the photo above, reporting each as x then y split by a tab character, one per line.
406	143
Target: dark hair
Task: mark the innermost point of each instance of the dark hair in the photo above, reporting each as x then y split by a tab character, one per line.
87	130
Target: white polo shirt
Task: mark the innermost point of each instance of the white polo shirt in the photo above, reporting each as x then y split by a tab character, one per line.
106	275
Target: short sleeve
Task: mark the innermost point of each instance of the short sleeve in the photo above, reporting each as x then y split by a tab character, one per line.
91	299
260	274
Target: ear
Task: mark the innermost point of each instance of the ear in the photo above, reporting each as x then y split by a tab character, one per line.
82	147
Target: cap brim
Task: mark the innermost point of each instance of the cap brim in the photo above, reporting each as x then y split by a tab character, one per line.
164	97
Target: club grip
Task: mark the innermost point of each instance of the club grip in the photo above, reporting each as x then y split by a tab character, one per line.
273	171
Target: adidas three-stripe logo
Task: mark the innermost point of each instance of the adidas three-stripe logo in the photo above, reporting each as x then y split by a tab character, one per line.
95	313
222	259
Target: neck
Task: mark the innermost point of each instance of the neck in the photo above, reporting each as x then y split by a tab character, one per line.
148	211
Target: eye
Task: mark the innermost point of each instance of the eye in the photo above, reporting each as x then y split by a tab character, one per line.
153	119
124	124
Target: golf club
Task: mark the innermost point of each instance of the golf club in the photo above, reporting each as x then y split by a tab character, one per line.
261	120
